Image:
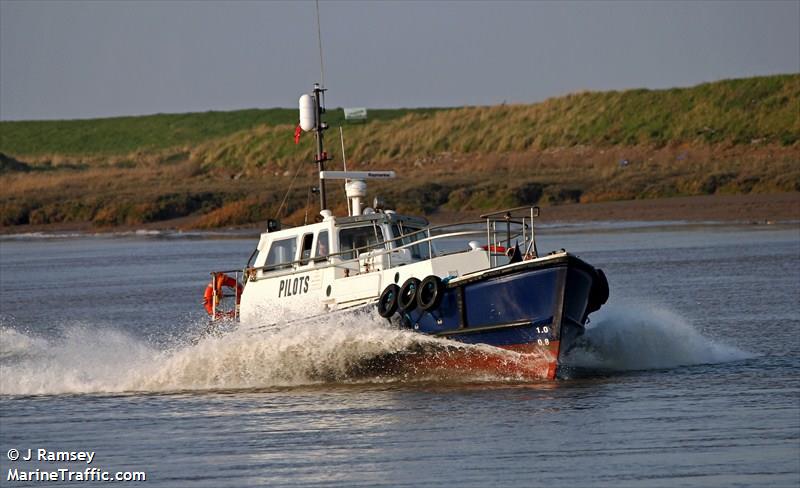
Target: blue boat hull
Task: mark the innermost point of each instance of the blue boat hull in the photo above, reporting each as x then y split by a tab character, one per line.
538	308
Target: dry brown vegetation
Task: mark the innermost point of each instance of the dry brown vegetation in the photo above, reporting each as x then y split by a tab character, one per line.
733	137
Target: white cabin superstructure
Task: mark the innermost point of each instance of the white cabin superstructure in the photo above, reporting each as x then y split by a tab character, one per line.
345	262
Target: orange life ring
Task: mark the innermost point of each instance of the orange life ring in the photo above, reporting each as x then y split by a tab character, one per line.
219	282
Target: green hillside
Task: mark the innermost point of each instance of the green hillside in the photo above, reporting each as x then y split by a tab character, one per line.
762	109
123	135
233	168
734	112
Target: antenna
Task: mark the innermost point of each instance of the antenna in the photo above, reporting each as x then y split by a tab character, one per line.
319	95
319	40
356	187
312	107
344	161
344	158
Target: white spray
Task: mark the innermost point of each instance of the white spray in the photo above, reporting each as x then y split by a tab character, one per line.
637	337
334	349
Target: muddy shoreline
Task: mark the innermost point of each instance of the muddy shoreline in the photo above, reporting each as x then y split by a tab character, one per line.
733	209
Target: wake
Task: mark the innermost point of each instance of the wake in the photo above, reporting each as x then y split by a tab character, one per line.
634	338
348	348
344	348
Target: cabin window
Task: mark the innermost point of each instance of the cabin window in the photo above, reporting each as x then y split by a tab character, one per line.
323	246
281	253
359	237
407	235
305	254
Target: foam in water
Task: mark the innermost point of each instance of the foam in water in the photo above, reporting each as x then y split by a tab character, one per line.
343	348
639	337
349	347
82	359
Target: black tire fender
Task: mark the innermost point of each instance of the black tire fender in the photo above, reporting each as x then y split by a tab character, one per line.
598	295
387	303
407	297
430	292
602	290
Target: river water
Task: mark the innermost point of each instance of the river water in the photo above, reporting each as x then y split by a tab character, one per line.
694	373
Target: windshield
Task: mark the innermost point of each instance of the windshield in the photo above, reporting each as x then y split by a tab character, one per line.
359	237
282	252
410	234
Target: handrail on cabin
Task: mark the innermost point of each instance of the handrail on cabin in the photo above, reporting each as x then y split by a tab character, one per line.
381	250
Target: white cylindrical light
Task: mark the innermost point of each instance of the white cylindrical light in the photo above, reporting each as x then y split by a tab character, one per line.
308	113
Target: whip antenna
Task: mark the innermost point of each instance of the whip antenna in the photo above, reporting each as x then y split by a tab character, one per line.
344	160
312	107
319	40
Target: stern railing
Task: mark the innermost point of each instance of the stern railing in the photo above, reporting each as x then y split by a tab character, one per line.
509	217
217	295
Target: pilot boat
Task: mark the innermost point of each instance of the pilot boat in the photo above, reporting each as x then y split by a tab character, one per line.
481	282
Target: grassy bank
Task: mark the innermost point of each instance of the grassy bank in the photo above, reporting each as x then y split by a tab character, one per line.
92	139
233	168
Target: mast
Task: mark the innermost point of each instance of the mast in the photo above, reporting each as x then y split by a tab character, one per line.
319	94
311	109
322	156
